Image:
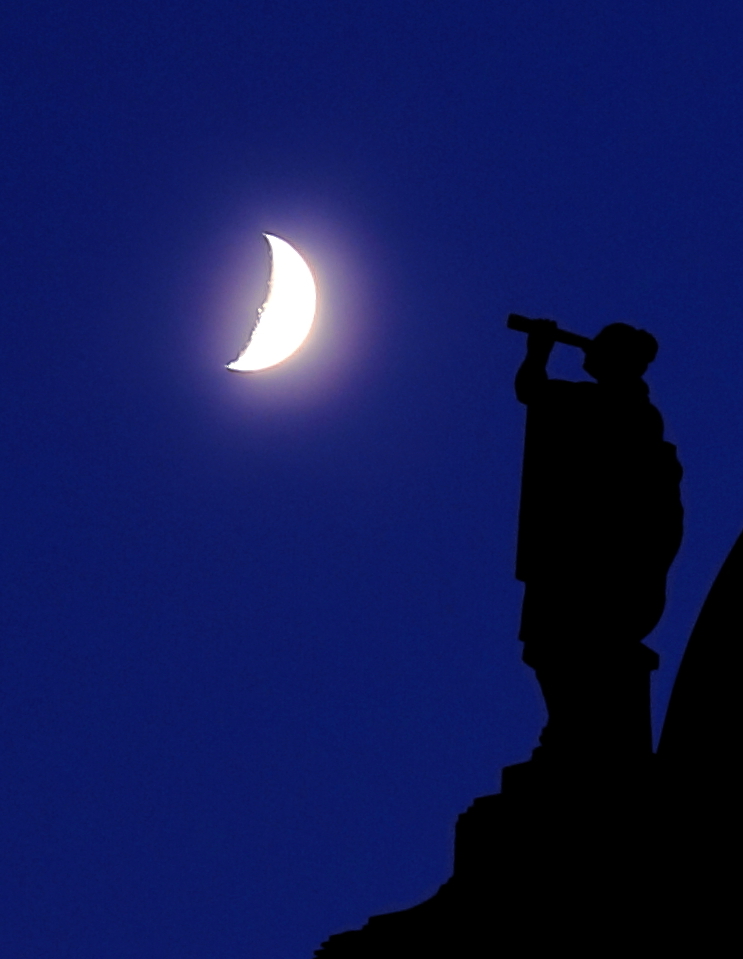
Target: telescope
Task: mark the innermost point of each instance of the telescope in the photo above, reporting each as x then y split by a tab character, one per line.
523	324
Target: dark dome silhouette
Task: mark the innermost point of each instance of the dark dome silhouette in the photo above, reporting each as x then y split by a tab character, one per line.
702	726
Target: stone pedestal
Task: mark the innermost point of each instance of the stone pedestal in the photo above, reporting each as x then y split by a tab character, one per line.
584	861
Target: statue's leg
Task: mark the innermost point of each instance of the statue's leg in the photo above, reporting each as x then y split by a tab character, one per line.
571	719
582	640
551	630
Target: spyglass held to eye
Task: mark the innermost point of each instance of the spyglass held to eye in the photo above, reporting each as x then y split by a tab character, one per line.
522	324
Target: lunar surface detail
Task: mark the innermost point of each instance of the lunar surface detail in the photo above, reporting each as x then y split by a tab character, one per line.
286	317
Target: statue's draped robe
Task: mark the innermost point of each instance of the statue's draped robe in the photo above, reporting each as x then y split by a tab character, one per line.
600	518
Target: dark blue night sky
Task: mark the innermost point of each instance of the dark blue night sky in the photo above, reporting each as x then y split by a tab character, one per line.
259	633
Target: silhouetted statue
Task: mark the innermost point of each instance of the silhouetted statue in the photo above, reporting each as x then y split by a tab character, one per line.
600	523
606	853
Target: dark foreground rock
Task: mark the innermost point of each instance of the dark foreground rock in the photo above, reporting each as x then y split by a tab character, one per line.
589	864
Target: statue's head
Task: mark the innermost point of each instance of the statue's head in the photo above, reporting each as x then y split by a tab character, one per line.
619	353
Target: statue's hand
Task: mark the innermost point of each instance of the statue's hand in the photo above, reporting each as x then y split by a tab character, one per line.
541	337
544	329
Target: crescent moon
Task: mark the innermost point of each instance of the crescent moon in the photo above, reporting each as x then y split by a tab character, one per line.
285	318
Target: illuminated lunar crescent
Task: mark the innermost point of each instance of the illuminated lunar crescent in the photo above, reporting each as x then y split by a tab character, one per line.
285	318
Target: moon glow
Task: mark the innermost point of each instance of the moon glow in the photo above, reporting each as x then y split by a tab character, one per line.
285	318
